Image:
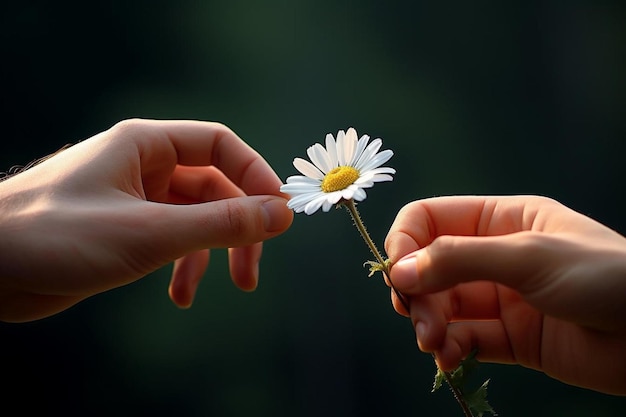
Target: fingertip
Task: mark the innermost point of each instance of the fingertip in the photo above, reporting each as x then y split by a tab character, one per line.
277	217
398	305
186	277
226	223
250	282
404	273
449	355
244	266
429	338
180	296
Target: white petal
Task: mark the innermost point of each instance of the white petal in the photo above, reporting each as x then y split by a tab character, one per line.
302	199
368	175
368	153
331	148
334	197
318	155
377	160
365	177
314	205
360	146
302	179
307	168
382	177
327	206
365	183
299	188
297	205
348	193
368	182
383	170
341	136
298	209
350	144
360	194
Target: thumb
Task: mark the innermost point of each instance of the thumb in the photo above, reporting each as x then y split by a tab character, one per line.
230	222
523	261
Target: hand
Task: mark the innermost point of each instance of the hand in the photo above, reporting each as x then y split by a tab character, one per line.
524	280
111	209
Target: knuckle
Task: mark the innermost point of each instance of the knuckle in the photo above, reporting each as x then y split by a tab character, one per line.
126	130
409	208
237	221
221	127
128	125
441	245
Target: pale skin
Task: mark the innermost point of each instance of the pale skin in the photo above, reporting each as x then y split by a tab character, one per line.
128	201
522	279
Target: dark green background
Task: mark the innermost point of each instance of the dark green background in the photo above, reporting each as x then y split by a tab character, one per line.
473	97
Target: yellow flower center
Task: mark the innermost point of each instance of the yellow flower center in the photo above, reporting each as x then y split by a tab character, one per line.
339	178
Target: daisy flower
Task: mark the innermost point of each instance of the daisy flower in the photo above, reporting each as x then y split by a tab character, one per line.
341	171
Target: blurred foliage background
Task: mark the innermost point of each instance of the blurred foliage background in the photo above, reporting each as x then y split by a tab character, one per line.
473	97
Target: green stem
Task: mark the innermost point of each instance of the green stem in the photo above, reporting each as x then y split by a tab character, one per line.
349	204
456	392
356	217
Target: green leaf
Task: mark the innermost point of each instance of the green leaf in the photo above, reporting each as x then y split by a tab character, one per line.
477	401
470	363
461	374
439	378
377	266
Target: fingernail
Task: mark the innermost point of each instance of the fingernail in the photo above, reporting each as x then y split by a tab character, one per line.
274	214
404	272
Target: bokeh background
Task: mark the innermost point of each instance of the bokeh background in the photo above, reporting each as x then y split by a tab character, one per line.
473	97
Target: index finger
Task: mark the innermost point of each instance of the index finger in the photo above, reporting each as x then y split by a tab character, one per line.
198	143
420	222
